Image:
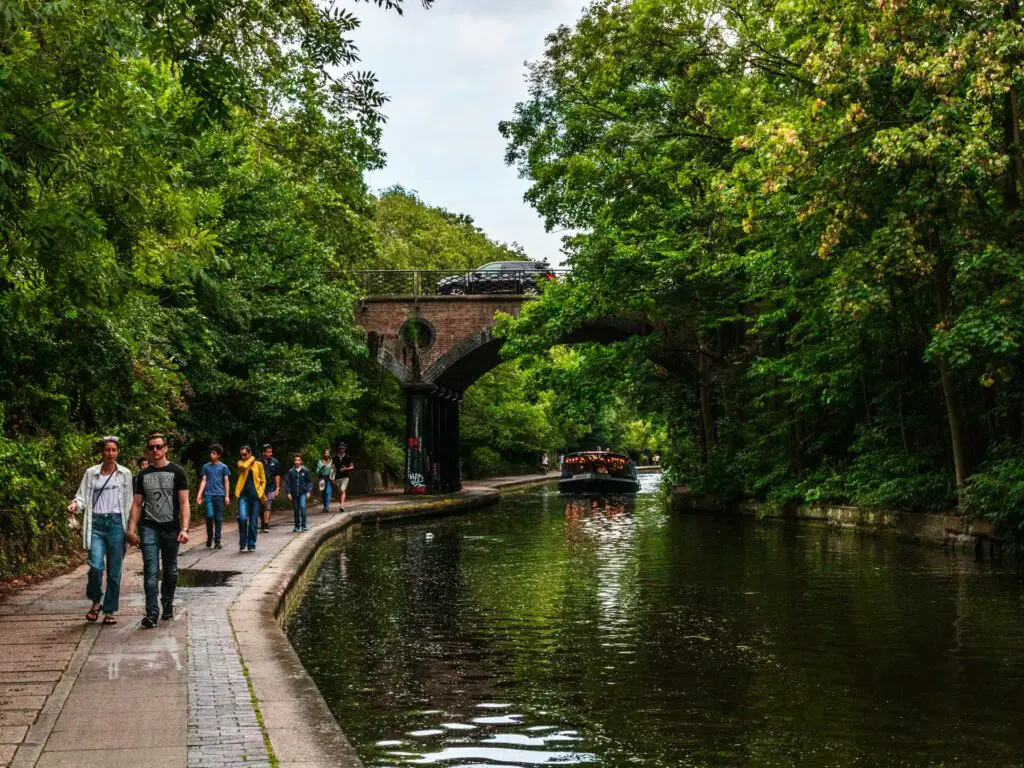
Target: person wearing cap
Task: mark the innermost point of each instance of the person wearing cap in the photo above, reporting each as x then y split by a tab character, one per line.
272	472
343	466
104	499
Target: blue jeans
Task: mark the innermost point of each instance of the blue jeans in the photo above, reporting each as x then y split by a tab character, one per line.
214	514
248	520
159	548
107	544
299	509
327	493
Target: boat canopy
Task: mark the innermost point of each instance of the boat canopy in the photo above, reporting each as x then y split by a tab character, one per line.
598	462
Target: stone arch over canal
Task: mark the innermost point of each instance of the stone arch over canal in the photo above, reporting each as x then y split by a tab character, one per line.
437	346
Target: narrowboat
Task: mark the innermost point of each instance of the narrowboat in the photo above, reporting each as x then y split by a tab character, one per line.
598	472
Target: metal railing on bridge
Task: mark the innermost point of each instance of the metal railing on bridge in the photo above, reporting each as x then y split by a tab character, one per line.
435	282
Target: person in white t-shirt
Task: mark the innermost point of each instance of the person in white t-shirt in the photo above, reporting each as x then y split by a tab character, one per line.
104	500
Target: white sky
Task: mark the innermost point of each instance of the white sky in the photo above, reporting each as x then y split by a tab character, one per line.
452	74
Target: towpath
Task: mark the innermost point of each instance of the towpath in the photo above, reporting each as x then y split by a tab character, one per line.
85	695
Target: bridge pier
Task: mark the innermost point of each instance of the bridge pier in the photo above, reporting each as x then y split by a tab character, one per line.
432	440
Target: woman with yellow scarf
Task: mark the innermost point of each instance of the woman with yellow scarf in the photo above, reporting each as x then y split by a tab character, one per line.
250	490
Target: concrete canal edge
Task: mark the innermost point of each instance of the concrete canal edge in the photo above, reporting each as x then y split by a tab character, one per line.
944	529
297	722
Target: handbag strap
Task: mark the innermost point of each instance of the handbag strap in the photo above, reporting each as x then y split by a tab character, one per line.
96	494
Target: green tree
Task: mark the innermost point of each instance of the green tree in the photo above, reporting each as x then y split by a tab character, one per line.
819	208
181	195
414	235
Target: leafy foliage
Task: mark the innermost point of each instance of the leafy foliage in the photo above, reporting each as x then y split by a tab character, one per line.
33	528
818	206
181	205
414	235
996	492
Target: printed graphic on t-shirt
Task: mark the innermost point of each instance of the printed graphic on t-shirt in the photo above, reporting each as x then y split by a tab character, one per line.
158	490
271	468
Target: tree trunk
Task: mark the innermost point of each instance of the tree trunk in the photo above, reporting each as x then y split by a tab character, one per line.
950	390
1012	13
1015	178
1020	419
903	426
706	413
867	400
957	428
799	434
1011	129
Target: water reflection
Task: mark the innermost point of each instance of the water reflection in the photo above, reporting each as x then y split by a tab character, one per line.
578	508
536	745
607	524
560	630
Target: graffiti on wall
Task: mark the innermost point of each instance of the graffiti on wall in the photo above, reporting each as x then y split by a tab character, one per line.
414	467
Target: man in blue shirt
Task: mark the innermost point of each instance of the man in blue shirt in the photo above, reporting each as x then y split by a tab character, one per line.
272	469
214	486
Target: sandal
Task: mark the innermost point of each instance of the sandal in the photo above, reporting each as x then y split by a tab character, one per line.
93	614
110	619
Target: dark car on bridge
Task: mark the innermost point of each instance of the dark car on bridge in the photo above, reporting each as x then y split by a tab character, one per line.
520	277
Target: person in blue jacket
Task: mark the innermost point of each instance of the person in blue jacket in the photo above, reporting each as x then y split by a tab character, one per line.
298	484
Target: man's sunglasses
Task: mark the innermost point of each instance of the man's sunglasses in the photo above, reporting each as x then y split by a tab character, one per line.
155	447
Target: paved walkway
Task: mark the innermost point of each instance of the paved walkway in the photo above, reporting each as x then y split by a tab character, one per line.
84	695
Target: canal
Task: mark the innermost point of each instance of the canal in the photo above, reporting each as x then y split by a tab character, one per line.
611	632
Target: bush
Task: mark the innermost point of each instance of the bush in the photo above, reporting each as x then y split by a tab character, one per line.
381	451
483	462
996	492
36	479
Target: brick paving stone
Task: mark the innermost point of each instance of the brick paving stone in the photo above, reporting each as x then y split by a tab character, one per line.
26	689
12	734
17	717
32	666
24	676
22	702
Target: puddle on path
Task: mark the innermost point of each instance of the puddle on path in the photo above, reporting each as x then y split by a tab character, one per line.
198	577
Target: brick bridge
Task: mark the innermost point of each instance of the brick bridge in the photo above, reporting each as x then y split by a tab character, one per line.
437	346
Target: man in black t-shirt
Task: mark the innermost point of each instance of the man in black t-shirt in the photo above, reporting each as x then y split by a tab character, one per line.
343	466
161	503
272	469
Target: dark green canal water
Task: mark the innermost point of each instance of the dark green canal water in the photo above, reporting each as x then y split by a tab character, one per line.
550	631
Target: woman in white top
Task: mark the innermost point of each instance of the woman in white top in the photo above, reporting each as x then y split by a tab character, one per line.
105	500
325	474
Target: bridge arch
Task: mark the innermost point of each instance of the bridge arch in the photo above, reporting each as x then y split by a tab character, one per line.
480	351
434	375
